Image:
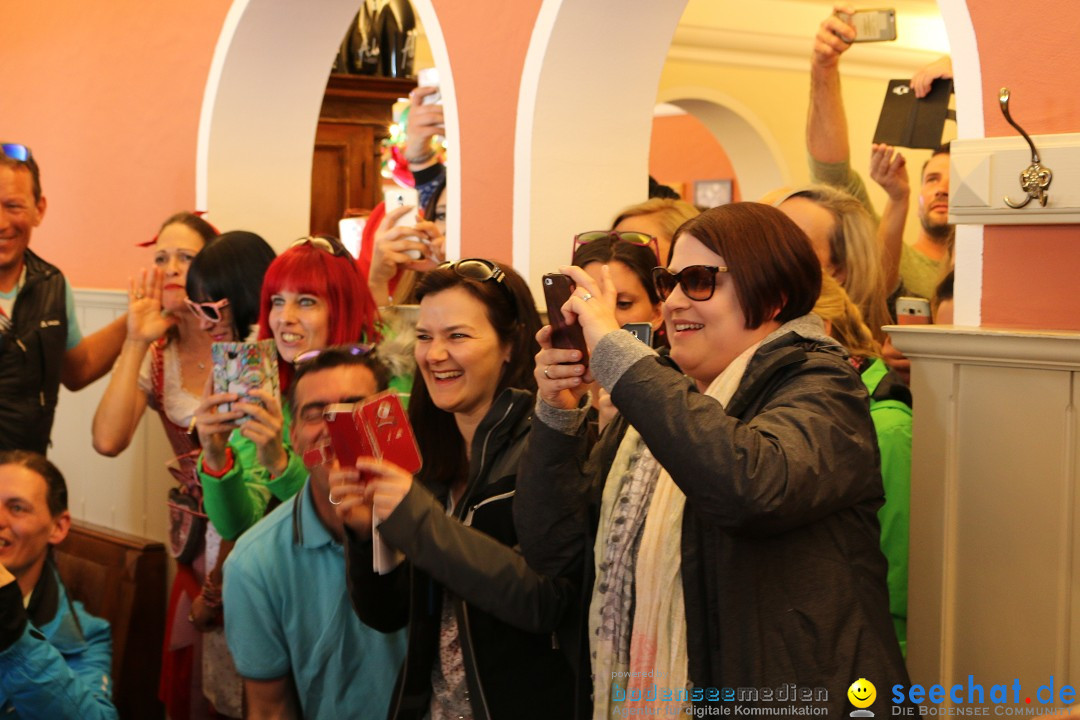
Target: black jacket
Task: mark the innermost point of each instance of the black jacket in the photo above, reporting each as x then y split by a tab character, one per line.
506	613
31	358
783	578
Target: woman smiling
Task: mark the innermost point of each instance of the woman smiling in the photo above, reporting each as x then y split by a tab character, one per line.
727	516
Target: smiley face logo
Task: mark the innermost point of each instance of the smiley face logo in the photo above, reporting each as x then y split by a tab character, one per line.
862	693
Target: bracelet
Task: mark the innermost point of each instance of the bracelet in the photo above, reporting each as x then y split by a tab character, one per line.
422	158
211	595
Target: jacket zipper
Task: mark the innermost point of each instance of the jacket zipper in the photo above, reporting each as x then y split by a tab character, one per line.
482	503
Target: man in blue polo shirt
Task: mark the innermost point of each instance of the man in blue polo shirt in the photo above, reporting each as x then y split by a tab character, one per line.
290	627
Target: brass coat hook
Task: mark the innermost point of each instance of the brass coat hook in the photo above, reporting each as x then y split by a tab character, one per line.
1036	178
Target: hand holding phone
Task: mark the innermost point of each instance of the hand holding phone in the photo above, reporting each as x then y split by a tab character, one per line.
871	25
564	335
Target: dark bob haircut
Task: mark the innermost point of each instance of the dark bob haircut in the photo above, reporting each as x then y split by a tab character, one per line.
769	258
232	267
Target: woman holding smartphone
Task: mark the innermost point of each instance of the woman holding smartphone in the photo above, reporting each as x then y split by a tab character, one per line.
312	297
731	509
481	622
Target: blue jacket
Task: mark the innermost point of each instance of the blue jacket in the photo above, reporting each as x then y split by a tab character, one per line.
55	658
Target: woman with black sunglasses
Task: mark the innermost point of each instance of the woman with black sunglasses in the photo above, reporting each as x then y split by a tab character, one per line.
481	622
732	509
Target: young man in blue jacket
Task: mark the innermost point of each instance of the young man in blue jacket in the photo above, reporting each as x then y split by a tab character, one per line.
55	658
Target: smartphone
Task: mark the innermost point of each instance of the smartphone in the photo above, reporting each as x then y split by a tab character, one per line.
393	198
568	336
429	77
240	367
388	426
642	331
912	311
872	25
348	438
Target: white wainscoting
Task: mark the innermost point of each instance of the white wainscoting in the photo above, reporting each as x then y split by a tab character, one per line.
994	586
128	492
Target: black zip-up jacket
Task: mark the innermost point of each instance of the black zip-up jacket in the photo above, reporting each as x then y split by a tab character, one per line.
506	613
783	577
31	358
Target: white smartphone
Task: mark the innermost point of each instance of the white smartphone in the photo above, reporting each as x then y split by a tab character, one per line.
872	25
912	311
399	197
429	77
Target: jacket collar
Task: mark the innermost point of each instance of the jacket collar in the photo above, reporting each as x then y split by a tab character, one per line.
36	268
51	611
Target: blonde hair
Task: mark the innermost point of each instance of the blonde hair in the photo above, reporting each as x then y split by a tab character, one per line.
835	307
672	214
854	250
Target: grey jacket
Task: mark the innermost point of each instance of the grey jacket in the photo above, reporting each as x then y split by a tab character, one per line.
783	578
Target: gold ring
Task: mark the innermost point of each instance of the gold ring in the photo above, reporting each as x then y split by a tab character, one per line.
546	372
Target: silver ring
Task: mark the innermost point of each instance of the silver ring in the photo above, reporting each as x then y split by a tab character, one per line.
587	297
331	498
546	372
139	296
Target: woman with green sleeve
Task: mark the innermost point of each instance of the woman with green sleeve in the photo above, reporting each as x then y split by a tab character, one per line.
312	297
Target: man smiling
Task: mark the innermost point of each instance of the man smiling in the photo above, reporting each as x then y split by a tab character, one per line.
40	342
55	658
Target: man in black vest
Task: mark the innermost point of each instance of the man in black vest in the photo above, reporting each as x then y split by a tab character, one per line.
40	342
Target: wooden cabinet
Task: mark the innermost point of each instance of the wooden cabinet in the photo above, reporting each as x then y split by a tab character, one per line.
354	120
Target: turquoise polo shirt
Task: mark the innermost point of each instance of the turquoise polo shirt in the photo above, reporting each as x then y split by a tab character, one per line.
287	612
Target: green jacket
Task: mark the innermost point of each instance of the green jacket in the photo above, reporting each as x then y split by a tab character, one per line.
890	409
237	500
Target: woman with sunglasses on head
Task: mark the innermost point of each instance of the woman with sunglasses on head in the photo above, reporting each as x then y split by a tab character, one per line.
732	509
480	621
312	297
630	258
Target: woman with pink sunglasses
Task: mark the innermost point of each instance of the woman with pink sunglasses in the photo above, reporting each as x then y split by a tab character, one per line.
164	364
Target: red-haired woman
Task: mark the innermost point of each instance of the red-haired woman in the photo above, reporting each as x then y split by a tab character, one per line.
312	297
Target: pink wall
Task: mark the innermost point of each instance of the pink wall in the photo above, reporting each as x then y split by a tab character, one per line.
1029	272
107	95
683	150
487	41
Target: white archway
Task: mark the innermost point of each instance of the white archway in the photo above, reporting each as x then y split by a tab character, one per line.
261	110
584	120
754	153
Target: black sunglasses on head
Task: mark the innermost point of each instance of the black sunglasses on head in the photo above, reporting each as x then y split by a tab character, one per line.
698	282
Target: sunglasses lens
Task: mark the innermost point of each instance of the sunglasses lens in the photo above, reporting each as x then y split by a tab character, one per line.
635	238
17	152
588	237
664	281
474	270
698	282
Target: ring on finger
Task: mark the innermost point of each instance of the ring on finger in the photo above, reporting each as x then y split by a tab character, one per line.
139	296
546	373
587	297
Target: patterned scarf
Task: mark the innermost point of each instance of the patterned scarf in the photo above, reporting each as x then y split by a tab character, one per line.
637	618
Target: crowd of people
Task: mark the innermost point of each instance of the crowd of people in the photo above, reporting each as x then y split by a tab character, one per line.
619	526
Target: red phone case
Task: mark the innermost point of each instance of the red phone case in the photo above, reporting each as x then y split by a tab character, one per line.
348	437
391	434
557	290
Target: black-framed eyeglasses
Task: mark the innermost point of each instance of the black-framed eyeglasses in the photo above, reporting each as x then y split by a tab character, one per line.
17	152
333	247
698	282
633	238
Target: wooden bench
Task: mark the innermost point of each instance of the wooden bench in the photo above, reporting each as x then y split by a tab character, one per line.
121	578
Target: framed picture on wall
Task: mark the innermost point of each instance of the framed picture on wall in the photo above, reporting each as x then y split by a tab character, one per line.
710	193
